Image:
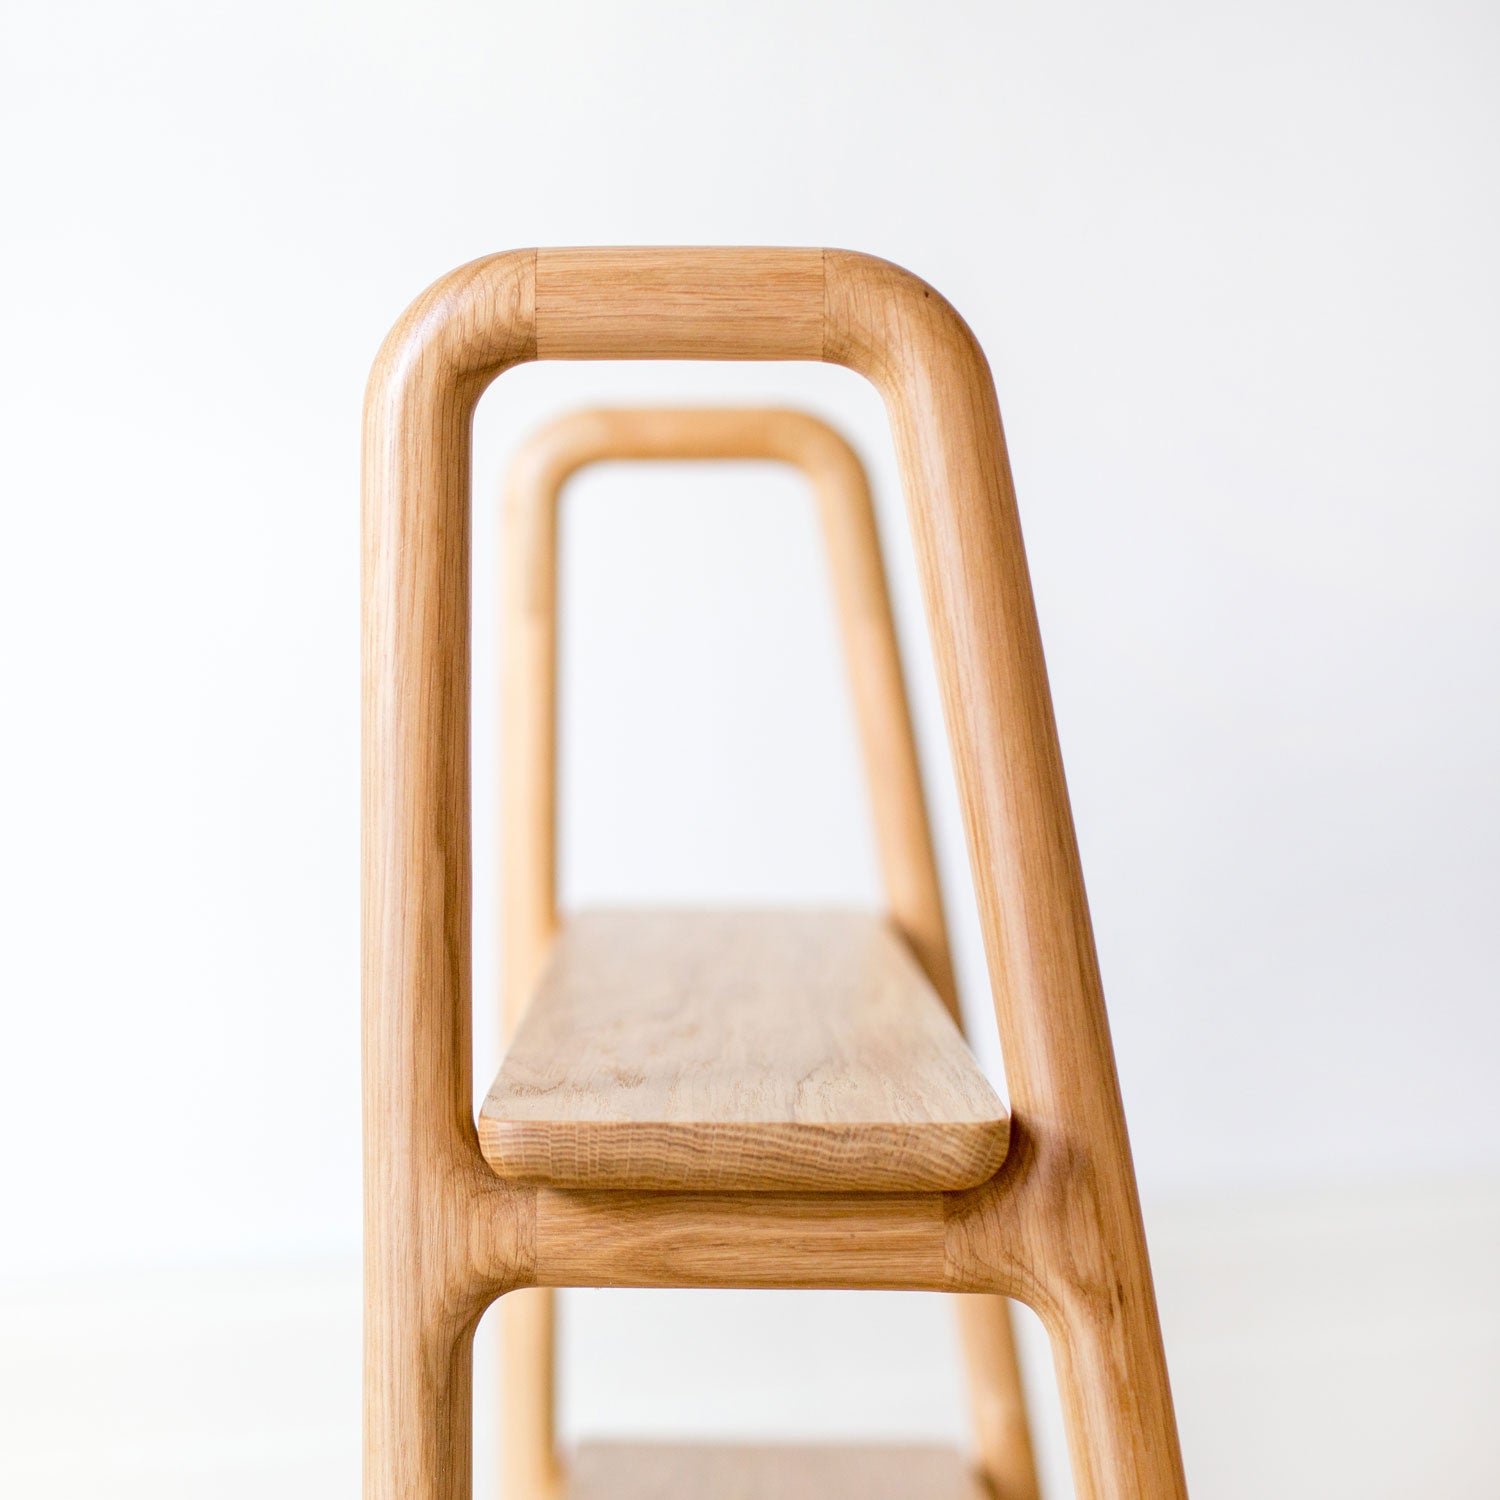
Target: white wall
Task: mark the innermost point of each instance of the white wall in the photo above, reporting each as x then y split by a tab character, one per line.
1234	269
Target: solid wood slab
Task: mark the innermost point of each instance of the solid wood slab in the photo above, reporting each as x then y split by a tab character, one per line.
739	1051
733	1471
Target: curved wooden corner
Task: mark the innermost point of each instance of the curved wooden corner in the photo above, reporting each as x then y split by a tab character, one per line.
555	451
542	466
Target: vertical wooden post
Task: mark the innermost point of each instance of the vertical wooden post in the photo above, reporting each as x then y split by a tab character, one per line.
1078	1214
442	1235
530	1468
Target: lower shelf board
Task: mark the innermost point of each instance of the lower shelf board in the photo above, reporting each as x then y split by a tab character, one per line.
735	1471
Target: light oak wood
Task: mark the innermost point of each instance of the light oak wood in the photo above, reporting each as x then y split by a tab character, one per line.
530	1464
546	461
680	304
530	1467
739	1471
807	1241
1060	1225
739	1051
1002	1428
872	655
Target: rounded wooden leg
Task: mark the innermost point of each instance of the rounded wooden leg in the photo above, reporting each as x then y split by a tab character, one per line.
529	1468
1001	1432
529	1464
1117	1405
418	1403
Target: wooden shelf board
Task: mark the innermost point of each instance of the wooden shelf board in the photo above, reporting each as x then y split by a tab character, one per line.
739	1051
732	1471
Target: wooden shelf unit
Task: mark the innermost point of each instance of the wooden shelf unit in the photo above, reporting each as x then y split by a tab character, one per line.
1057	1226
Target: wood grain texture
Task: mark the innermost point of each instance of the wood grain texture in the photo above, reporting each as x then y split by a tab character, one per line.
852	1241
679	304
1060	1224
738	1471
739	1051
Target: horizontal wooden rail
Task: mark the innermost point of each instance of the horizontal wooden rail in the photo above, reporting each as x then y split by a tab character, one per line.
679	304
929	1242
740	1240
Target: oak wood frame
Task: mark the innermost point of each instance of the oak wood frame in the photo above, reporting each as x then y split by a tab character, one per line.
1059	1227
539	473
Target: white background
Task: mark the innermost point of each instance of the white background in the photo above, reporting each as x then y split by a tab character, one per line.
1234	268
